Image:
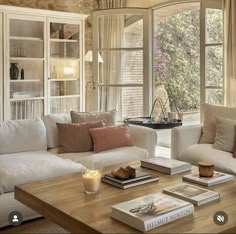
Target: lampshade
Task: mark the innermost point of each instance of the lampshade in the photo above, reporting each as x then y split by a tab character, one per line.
89	57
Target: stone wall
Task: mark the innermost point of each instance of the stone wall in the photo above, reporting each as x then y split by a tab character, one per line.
75	6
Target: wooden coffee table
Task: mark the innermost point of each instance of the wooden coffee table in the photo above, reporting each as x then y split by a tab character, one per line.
62	201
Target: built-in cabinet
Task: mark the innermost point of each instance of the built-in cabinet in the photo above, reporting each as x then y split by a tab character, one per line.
42	61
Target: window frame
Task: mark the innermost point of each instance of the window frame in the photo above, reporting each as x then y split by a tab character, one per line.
207	4
147	55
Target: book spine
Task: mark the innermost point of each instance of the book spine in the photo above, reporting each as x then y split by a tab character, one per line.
169	217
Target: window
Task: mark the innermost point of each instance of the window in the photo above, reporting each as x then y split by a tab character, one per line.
119	39
185	67
176	59
188	57
212	50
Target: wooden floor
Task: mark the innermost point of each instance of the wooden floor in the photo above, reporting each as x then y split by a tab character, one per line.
35	226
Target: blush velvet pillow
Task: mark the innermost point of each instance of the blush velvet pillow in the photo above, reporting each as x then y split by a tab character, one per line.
110	137
75	137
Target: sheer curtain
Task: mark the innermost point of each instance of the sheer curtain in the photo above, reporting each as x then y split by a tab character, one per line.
229	7
111	36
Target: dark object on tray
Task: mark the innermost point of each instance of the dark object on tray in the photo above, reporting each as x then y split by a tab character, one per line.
147	122
125	173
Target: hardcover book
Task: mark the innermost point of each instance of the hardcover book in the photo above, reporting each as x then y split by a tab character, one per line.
140	175
217	178
197	196
151	211
130	182
166	165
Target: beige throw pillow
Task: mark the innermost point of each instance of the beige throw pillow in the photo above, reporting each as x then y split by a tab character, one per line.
209	122
81	117
76	137
225	134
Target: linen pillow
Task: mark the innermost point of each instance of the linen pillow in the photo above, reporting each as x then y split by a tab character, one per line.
209	122
225	134
110	137
50	122
75	137
81	117
22	136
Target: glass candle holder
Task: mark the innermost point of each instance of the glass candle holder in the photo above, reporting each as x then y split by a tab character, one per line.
91	177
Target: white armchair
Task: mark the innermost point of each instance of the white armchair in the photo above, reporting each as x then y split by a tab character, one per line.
185	146
183	137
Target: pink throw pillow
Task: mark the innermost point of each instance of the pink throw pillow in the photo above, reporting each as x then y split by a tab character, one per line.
110	137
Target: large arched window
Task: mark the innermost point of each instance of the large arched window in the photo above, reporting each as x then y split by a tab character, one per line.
173	50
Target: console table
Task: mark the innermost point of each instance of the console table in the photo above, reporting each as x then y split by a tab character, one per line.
147	122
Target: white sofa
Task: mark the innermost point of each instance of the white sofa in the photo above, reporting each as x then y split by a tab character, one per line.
30	144
185	146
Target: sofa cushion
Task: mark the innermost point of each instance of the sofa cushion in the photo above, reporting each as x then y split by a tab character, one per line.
209	122
26	167
22	136
75	137
225	134
109	157
110	137
222	160
81	117
51	127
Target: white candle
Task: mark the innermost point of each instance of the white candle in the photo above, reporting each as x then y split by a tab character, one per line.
91	180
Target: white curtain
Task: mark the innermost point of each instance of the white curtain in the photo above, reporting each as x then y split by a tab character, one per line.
229	7
111	31
26	109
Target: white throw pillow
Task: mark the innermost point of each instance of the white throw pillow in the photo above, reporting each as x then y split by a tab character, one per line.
225	134
22	136
50	122
209	122
27	167
81	117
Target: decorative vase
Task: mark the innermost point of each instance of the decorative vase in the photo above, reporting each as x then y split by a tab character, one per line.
14	71
161	93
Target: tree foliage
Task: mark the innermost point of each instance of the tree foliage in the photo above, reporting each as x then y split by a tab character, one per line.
177	57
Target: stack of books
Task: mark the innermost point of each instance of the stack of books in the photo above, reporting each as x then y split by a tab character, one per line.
165	165
151	211
140	178
197	196
217	178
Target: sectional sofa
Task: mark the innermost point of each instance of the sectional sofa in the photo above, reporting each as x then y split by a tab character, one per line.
28	152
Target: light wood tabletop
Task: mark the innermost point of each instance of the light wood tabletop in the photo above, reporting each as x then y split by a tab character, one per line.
62	201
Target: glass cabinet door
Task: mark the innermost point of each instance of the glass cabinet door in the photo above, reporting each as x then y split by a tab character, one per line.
25	67
64	67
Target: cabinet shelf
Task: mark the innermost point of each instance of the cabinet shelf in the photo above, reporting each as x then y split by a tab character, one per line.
26	99
65	79
26	38
24	81
65	96
26	59
63	40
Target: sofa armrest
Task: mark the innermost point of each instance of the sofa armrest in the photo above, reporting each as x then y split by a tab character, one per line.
144	137
183	137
